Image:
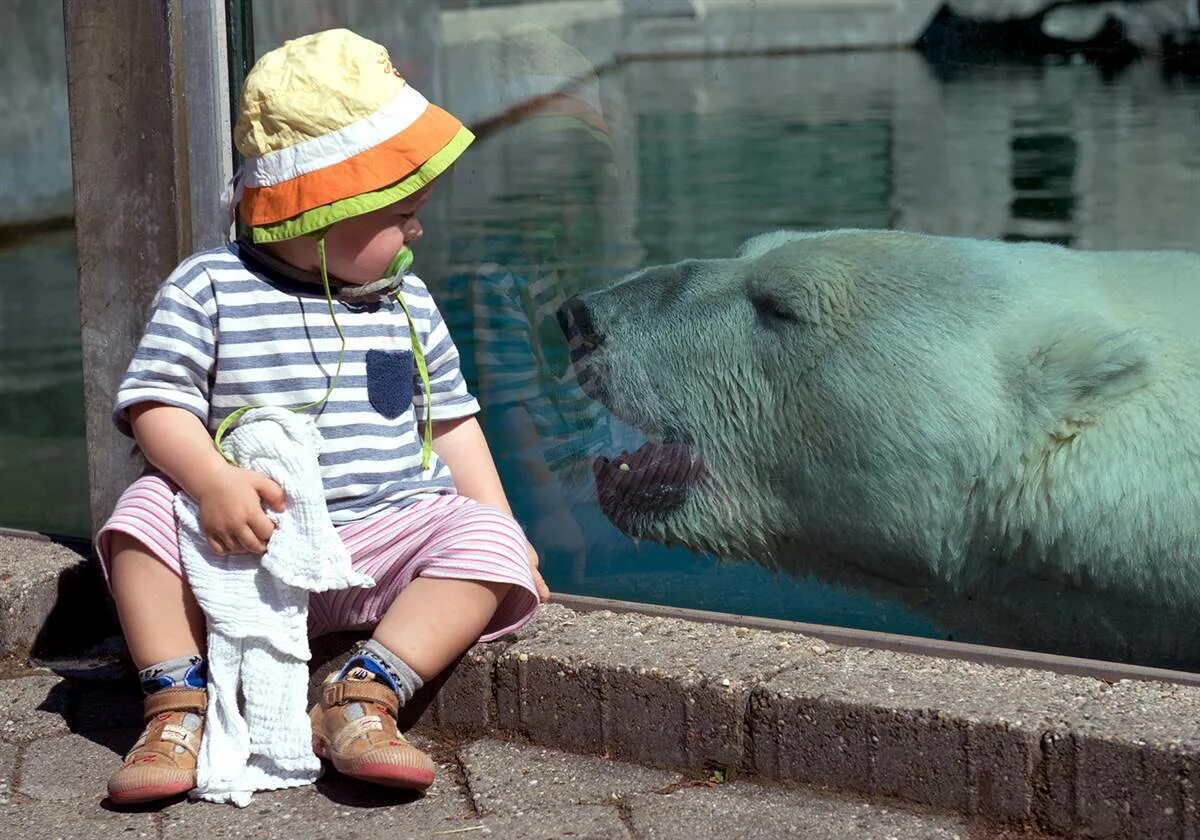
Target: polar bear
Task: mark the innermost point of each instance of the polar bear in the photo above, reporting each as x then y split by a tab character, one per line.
1005	437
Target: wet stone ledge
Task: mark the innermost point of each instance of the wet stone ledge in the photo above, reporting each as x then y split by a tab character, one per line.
1072	755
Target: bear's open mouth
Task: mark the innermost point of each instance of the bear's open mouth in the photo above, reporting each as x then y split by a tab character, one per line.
649	483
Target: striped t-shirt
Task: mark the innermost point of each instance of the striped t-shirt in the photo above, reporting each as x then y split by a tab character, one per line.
226	332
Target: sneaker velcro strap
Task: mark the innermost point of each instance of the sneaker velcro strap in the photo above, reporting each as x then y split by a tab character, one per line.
364	691
176	700
181	735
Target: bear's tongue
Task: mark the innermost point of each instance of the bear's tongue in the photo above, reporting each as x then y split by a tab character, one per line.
654	479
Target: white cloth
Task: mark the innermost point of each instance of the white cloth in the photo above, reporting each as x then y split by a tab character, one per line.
257	611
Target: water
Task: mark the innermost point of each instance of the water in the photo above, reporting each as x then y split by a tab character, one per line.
42	454
709	152
701	155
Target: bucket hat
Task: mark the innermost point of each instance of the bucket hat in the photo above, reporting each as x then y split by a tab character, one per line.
329	130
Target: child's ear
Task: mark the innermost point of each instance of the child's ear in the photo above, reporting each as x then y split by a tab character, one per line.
1083	366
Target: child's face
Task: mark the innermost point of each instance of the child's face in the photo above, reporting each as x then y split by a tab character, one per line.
359	249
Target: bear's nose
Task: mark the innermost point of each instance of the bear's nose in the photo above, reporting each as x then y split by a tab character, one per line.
575	318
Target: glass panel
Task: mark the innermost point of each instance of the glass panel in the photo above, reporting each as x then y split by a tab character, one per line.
42	459
983	438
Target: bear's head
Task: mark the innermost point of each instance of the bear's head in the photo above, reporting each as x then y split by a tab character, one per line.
834	402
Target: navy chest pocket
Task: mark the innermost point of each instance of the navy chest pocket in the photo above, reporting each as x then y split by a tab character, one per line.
390	381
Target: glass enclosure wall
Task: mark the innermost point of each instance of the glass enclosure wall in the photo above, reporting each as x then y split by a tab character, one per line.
42	460
983	440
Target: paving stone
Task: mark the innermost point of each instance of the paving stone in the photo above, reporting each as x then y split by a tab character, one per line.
335	807
274	814
505	778
459	703
741	809
583	822
72	768
548	619
943	732
658	691
32	707
105	660
74	821
1165	716
464	702
8	765
1128	763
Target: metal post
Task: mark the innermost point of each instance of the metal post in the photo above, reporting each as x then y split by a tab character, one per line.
207	94
138	92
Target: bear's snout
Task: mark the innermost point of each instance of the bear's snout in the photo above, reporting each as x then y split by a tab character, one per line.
575	318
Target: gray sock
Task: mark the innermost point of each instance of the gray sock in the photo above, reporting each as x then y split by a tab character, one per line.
383	666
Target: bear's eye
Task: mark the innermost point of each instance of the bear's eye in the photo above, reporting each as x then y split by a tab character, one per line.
773	310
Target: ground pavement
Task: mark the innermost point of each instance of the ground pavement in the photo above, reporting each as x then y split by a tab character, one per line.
61	737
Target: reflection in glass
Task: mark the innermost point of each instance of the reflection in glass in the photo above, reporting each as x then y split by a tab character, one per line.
1019	153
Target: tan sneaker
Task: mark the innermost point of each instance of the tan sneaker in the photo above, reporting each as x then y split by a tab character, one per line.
354	728
163	761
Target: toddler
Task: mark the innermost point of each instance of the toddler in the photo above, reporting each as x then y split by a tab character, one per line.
311	309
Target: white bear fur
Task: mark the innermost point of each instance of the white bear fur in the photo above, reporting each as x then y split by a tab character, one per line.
998	435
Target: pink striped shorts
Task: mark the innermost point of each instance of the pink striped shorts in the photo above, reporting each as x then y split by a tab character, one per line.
442	536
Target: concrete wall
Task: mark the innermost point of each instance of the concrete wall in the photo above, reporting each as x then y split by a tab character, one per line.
35	153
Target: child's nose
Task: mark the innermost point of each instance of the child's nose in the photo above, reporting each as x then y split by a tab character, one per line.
412	230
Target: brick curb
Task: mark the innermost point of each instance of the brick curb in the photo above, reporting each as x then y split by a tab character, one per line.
46	588
1069	754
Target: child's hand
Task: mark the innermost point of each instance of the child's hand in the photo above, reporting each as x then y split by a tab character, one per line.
231	510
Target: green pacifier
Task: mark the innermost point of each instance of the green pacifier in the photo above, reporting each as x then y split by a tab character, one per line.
400	263
389	283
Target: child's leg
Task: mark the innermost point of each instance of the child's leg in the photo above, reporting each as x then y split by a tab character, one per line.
429	624
447	572
160	618
164	631
433	620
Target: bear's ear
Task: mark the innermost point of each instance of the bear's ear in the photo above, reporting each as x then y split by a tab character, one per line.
1087	365
764	243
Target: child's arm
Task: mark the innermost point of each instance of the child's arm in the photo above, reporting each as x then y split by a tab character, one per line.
229	498
461	445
